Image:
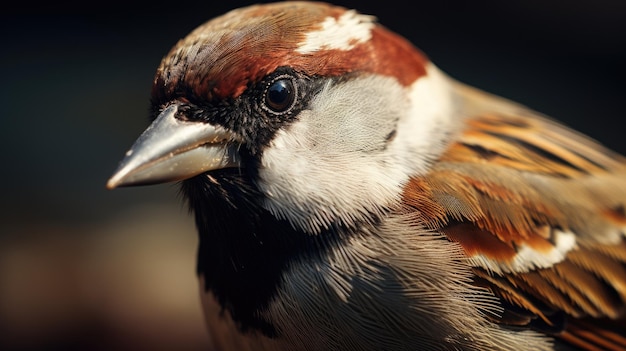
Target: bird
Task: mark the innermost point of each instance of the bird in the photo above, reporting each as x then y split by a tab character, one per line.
350	195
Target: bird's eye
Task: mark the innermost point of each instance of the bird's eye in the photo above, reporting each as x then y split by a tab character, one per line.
280	95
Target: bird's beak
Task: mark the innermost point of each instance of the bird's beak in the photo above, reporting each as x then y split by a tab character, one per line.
172	149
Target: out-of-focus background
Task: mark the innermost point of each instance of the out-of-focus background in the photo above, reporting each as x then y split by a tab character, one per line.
89	269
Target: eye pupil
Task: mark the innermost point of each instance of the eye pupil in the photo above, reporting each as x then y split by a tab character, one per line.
280	95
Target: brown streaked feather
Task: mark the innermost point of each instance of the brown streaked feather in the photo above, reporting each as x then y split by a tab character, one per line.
598	292
596	335
512	185
249	43
617	251
475	240
509	293
578	300
602	266
544	289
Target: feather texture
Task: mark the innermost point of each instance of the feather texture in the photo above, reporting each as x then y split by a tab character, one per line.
386	207
539	212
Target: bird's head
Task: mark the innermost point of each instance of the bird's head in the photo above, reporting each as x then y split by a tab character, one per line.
325	112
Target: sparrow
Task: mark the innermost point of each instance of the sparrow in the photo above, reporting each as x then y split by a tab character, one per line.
349	195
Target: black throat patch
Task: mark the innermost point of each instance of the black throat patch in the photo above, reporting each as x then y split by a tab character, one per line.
244	250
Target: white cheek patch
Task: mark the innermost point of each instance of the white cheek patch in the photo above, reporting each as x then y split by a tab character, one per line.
344	33
528	258
337	163
331	165
432	120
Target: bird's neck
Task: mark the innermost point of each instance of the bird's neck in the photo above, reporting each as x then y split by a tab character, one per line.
244	250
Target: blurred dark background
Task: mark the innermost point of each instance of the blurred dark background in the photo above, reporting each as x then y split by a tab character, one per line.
86	268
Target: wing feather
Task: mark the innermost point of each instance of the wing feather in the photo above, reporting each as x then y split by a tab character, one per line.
539	212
